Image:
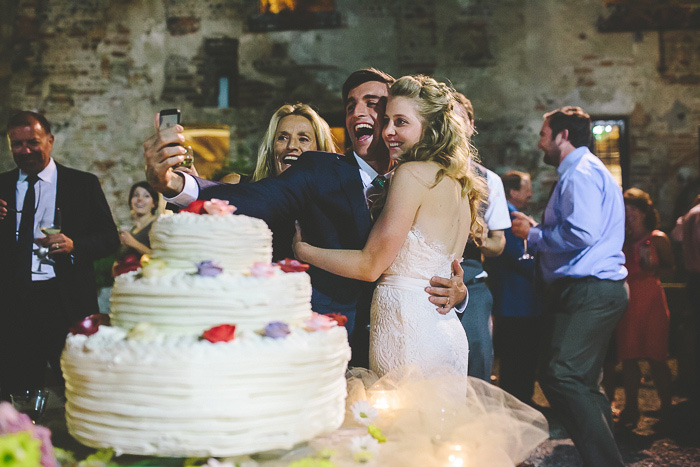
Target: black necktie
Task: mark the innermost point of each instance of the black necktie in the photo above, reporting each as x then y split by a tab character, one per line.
25	239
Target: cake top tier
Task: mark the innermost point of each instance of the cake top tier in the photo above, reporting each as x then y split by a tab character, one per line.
182	241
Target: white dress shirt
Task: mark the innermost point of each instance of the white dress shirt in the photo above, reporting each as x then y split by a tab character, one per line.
44	209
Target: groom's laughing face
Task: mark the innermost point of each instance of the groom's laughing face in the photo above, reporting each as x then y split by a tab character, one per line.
364	116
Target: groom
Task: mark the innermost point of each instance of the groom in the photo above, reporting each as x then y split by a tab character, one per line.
325	192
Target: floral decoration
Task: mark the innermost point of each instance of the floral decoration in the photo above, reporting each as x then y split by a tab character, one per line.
319	322
218	207
90	324
363	448
13	423
263	270
214	206
364	413
196	207
376	433
20	450
142	332
292	265
277	329
222	333
340	319
152	267
209	269
129	263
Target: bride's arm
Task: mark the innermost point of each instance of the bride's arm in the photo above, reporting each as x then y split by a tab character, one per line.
388	234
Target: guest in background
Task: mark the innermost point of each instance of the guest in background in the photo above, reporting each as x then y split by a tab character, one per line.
516	306
293	129
578	247
143	204
42	297
494	219
642	333
687	231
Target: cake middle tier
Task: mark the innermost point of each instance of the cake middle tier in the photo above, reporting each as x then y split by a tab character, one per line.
182	303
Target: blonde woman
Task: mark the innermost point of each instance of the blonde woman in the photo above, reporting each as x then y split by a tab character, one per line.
293	129
427	216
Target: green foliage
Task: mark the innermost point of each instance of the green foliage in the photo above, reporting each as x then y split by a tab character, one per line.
103	271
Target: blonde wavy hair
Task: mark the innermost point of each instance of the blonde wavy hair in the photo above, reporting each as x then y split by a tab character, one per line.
266	166
444	138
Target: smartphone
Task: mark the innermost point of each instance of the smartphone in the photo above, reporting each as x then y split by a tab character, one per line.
171	117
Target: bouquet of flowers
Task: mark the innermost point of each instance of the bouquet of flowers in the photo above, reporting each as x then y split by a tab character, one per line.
23	444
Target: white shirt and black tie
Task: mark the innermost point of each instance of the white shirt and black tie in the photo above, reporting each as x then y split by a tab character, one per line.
43	209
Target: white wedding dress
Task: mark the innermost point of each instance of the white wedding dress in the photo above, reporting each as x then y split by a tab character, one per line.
406	329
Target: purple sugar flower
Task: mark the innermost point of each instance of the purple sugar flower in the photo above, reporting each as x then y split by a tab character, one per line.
209	269
276	329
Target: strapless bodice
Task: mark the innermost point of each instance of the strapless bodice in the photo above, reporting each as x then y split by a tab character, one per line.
420	259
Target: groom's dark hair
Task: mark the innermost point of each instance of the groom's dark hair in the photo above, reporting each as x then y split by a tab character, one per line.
363	76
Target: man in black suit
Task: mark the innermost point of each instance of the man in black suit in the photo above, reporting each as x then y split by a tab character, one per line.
41	298
325	192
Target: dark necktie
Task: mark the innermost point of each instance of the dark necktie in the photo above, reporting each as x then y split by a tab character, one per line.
375	189
25	239
379	182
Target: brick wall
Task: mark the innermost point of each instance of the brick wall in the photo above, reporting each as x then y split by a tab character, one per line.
100	69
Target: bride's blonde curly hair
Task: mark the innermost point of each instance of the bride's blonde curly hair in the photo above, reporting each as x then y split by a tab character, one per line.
444	138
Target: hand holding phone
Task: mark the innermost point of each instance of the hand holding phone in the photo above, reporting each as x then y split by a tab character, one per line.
171	117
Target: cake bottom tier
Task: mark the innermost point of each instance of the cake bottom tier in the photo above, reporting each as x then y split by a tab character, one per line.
177	396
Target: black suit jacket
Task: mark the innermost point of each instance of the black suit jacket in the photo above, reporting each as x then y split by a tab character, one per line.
85	218
324	192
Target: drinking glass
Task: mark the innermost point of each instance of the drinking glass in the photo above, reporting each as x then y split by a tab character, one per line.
525	256
48	226
32	403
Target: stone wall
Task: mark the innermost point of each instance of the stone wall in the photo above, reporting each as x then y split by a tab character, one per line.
100	69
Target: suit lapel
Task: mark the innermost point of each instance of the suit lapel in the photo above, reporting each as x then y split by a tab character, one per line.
351	183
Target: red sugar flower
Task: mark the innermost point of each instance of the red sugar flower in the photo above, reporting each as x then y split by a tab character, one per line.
340	319
222	333
292	265
90	324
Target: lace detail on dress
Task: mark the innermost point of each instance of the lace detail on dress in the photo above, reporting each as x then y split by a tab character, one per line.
420	258
405	327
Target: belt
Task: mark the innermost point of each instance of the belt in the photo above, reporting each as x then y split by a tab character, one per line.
474	280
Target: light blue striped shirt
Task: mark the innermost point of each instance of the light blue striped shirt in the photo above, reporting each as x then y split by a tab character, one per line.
584	223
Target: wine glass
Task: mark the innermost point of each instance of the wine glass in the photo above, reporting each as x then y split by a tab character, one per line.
525	256
31	402
48	226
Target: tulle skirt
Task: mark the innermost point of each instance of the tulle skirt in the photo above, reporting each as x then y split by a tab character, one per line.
437	421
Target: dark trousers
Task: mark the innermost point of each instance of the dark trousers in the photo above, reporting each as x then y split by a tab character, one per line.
34	330
580	316
693	290
516	341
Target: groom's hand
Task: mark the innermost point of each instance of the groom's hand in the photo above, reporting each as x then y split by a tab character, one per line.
160	159
447	293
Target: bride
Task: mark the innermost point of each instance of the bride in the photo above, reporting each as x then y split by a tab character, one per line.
427	215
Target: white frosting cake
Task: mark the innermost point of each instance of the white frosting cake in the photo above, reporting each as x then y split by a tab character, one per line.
160	390
183	303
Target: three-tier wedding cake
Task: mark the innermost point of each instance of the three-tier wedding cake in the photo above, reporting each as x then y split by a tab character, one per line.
165	379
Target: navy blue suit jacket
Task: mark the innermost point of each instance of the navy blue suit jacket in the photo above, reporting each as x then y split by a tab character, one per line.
324	192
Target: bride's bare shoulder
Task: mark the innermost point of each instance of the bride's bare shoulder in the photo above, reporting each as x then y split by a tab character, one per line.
423	171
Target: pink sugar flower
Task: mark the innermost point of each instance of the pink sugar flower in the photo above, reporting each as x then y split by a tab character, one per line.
319	322
218	207
263	270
